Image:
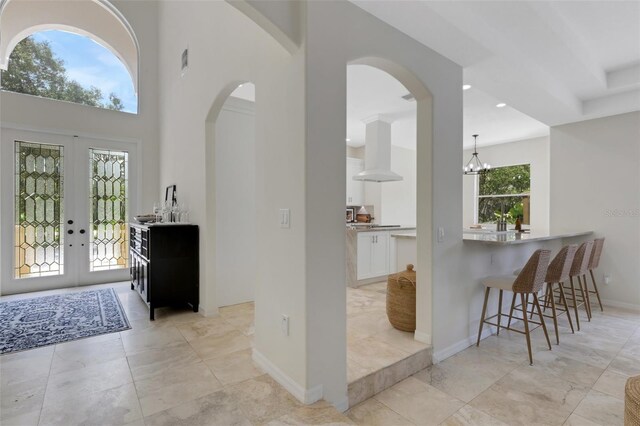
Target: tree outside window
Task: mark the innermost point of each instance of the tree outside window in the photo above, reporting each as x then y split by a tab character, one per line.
69	67
505	192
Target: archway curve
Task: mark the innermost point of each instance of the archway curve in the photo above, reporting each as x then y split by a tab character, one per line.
221	98
413	84
98	20
424	185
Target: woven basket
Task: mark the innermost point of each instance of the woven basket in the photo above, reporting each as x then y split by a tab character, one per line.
632	402
401	299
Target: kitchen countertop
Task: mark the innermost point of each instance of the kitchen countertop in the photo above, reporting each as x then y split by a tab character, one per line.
511	238
381	228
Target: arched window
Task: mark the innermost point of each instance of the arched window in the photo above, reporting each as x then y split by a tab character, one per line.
70	67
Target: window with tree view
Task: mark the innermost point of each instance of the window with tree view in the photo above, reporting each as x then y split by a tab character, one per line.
69	67
505	192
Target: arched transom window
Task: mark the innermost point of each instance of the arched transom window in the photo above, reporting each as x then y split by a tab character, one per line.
69	67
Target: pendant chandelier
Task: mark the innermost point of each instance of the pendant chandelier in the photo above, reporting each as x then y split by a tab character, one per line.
475	166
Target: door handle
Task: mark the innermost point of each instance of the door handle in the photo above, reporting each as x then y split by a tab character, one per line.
70	231
82	231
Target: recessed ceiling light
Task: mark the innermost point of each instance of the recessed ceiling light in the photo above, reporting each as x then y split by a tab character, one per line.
466	86
501	105
348	140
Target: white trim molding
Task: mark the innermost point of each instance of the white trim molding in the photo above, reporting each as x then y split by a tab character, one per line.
441	355
306	396
423	337
616	304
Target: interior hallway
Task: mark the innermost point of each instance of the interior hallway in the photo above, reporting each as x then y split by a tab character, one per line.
184	369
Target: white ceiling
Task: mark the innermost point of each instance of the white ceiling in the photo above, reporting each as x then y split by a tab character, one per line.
371	91
556	61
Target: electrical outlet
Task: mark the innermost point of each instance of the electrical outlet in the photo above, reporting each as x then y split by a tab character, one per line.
440	234
607	279
284	324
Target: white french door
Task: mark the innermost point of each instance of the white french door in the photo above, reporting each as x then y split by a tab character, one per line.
66	204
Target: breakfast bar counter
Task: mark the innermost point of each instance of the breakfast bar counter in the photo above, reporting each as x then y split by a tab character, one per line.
512	237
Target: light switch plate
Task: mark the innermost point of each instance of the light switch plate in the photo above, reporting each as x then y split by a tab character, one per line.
285	218
284	324
440	234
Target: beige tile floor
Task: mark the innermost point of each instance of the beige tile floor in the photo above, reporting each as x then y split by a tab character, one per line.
183	369
581	382
372	342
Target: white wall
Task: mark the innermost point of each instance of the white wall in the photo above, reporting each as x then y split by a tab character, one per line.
595	175
398	199
529	151
336	34
227	48
235	171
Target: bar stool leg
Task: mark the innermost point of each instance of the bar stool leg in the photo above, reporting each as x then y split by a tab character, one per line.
575	302
555	315
484	312
513	305
544	326
546	297
566	307
532	308
586	292
499	310
585	299
595	286
526	326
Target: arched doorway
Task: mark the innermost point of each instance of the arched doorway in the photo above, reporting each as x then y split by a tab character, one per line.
231	198
404	114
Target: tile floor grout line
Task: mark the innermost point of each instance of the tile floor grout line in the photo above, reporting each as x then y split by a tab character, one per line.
46	386
135	388
382	402
591	387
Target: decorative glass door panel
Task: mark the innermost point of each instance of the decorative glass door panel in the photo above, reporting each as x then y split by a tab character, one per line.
39	210
65	210
108	210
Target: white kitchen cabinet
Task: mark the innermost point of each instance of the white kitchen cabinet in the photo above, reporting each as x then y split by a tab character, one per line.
355	189
373	254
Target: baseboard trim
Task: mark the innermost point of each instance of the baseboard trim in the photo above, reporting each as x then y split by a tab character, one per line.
342	406
423	337
459	346
616	304
306	396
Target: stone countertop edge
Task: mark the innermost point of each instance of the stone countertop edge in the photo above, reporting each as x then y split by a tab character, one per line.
526	238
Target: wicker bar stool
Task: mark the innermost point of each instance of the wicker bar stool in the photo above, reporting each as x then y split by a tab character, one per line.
579	268
594	261
528	282
558	273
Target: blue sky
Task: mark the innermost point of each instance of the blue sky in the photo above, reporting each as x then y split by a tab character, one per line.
91	64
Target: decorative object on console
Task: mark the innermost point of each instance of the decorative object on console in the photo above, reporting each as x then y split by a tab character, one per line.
170	194
474	165
145	218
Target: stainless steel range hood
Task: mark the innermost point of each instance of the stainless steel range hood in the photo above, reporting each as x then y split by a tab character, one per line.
377	152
